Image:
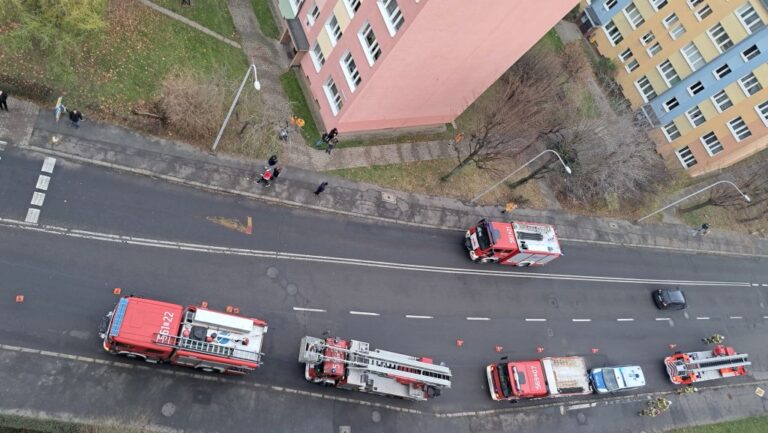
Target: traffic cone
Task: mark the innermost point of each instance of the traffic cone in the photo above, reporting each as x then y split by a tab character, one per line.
594	350
499	349
229	309
672	346
539	349
204	304
19	298
459	343
236	310
117	291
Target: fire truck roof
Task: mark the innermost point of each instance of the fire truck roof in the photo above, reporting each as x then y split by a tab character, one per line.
528	378
523	236
137	320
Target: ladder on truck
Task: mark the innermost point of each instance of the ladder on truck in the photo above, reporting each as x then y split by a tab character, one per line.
702	366
209	348
380	362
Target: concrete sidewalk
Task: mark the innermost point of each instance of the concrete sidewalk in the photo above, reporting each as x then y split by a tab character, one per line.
121	149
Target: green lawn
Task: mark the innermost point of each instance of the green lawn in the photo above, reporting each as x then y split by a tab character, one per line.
747	425
265	18
295	95
212	14
123	65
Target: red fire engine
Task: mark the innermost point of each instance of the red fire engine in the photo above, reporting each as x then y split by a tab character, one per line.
540	378
196	337
512	243
720	362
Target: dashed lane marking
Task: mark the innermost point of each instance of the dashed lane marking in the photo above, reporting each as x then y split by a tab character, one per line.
414	316
42	182
660	319
38	198
312	310
32	215
581	320
735	317
702	318
48	165
535	320
479	318
364	313
625	319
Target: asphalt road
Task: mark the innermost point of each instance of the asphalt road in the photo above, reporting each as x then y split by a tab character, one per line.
596	297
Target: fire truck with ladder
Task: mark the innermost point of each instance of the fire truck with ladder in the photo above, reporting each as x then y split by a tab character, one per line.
692	367
541	378
351	364
512	243
158	331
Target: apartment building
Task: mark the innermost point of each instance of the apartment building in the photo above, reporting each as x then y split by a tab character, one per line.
374	65
698	70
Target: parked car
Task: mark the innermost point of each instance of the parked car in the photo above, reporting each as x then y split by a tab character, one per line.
669	299
614	379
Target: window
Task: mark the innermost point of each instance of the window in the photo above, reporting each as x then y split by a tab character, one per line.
703	12
749	18
370	44
693	3
393	17
722	101
719	37
312	15
625	55
668	72
711	144
672	23
750	53
693	56
645	88
653	49
762	111
695	88
631	66
686	157
317	56
722	71
609	4
647	38
333	95
749	84
295	5
671	104
633	16
352	6
739	129
334	30
658	4
671	131
349	68
695	116
613	33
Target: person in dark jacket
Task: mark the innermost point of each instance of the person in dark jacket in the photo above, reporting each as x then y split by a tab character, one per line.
321	188
75	117
3	100
331	135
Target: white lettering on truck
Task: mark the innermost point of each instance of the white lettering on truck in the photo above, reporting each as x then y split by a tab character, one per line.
536	379
165	328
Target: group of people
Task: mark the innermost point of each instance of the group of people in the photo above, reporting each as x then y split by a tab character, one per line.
329	140
714	339
271	171
656	407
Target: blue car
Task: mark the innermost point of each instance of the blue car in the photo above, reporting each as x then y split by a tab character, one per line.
615	379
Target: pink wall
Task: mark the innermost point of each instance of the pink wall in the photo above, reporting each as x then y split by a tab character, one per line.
446	55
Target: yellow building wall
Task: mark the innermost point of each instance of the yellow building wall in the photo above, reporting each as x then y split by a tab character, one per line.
342	15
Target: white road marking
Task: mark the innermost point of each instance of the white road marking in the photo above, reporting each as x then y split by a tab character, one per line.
625	319
662	318
413	316
535	320
363	313
581	320
702	318
313	310
32	215
765	317
48	164
38	198
3	142
478	318
764	285
473	271
42	182
736	317
755	284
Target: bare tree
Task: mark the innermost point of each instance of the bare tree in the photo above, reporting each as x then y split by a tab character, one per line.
751	178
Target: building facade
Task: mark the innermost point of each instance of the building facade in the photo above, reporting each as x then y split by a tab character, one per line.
698	69
384	64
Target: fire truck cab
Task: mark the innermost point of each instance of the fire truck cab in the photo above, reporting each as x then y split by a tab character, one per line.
512	243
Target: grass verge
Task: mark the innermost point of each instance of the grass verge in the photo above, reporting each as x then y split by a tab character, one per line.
23	424
294	93
265	18
758	424
211	14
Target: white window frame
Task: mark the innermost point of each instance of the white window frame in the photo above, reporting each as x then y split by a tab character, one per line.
369	50
695	88
350	70
657	5
718	105
691	156
709	144
631	66
295	5
748	84
641	87
333	30
652	51
613	4
312	15
393	21
634	17
352	7
703	12
693	3
750	13
693	115
615	39
720	30
336	102
647	38
675	131
674	79
317	60
717	75
671	104
742	128
752	55
762	111
625	55
673	25
694	58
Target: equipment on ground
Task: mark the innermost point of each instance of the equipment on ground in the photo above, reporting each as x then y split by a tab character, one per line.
351	364
512	243
546	377
158	331
720	362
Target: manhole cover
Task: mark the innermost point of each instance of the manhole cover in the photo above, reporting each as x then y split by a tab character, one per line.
168	409
272	272
291	289
613	225
345	429
581	418
375	416
550	332
389	198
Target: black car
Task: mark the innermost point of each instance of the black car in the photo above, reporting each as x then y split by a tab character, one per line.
669	299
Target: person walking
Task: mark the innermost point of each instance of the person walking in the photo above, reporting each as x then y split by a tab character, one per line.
331	145
276	172
3	100
332	134
75	117
265	177
702	231
321	188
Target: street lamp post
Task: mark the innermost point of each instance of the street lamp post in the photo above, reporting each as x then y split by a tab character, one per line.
746	197
256	85
567	170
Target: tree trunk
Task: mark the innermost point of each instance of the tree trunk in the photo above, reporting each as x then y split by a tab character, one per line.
456	169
